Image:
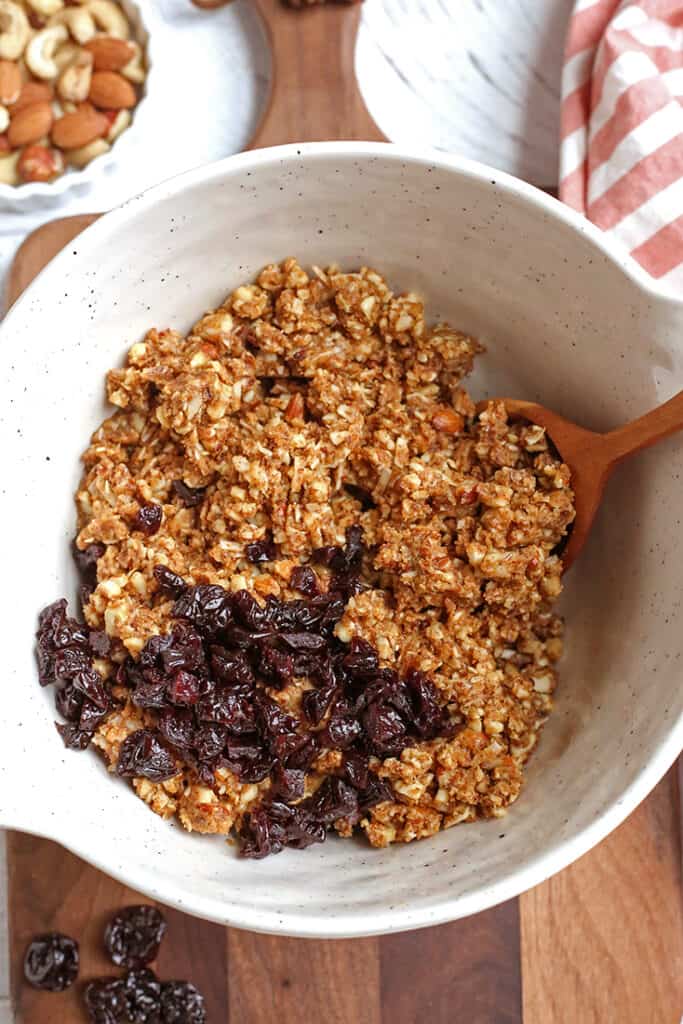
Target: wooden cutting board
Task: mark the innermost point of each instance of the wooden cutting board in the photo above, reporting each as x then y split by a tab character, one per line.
602	942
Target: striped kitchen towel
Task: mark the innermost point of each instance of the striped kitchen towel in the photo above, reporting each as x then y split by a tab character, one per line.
621	156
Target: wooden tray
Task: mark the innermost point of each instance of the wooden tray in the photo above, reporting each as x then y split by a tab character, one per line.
602	942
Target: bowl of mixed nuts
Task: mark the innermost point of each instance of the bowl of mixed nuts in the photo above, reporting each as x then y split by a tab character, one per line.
72	77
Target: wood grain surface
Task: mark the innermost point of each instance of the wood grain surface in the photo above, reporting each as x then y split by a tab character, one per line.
603	940
600	943
469	970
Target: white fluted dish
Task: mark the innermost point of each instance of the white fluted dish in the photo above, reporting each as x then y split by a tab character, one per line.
40	194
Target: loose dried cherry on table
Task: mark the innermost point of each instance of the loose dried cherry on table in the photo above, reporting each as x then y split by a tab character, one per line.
133	936
142	991
51	962
105	1001
182	1003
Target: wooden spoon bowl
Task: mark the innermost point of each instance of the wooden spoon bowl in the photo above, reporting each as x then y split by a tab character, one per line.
591	456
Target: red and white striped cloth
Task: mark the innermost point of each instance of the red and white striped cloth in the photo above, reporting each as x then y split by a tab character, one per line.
621	157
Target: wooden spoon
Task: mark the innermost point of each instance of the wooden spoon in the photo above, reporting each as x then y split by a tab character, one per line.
591	457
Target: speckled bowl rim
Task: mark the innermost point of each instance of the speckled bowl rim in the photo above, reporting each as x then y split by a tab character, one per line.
560	854
19	197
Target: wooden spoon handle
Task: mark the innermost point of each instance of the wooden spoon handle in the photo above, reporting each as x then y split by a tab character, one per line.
663	421
314	93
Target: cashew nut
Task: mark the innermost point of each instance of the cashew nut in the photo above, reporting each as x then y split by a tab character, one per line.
8	169
119	125
110	18
14	30
78	21
45	7
81	157
4	119
66	54
74	83
134	70
40	51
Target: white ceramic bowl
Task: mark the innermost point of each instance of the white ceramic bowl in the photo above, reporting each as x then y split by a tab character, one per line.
40	194
567	322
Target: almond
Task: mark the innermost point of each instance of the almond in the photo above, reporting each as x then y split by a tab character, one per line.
111	90
110	54
4	145
38	163
447	420
77	129
295	408
29	124
10	82
31	92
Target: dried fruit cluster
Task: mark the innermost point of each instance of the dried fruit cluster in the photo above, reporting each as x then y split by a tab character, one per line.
132	939
206	684
69	78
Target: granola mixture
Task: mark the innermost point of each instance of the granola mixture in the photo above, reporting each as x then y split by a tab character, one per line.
315	420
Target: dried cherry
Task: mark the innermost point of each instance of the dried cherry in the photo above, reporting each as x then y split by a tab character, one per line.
182	1003
105	1001
142	990
141	754
133	936
51	962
